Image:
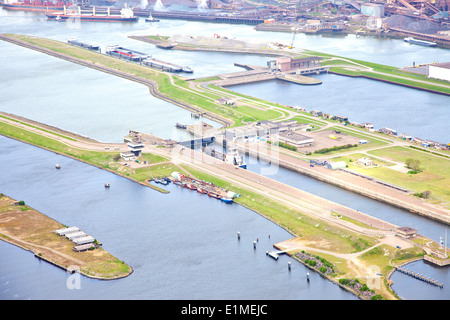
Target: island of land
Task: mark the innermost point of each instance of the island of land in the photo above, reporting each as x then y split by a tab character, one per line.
31	230
350	248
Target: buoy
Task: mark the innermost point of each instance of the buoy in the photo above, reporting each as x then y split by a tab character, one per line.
57	166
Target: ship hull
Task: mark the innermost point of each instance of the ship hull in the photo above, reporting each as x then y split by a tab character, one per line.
91	18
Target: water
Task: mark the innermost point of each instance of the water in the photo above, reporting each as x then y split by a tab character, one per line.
406	110
177	252
104	107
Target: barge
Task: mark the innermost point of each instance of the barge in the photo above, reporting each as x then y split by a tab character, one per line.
127	54
419	42
88	46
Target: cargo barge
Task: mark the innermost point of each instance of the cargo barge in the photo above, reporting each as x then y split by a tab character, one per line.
88	46
144	59
127	54
165	66
38	5
420	42
126	15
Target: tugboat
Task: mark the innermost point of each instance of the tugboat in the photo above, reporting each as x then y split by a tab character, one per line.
187	69
161	181
151	19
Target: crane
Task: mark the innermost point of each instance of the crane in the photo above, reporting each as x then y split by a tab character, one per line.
293	37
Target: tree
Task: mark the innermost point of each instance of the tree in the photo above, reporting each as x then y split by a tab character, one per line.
426	194
413	164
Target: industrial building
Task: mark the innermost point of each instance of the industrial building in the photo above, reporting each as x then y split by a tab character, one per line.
295	139
439	71
406	232
299	66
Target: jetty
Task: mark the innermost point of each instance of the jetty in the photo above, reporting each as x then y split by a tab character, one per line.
420	277
275	254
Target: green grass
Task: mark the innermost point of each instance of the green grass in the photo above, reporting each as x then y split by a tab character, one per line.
435	175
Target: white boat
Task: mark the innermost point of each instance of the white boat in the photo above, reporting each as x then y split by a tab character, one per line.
151	19
233	157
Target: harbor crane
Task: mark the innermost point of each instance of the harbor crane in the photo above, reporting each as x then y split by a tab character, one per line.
294	31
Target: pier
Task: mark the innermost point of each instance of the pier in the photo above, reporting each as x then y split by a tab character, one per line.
421	277
275	254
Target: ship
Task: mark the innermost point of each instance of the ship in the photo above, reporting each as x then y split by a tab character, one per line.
37	5
420	42
233	157
126	15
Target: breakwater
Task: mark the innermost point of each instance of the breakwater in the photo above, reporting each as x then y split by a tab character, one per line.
152	85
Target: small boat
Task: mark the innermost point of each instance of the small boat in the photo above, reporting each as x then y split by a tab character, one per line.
106	184
226	199
187	69
190	186
161	181
151	19
200	190
213	195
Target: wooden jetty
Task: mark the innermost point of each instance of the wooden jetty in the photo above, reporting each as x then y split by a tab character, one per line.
420	277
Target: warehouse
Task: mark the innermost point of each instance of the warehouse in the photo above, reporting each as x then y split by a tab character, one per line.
295	139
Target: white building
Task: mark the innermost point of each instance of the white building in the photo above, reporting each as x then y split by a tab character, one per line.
439	71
